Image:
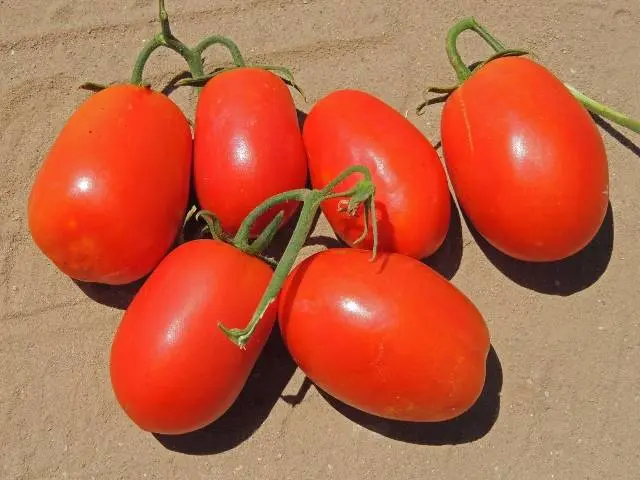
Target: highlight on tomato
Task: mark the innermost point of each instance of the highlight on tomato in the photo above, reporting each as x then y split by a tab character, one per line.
109	199
526	161
171	370
390	337
247	145
352	127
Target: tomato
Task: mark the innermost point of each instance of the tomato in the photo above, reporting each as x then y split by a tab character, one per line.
247	146
351	127
391	337
172	370
526	161
110	197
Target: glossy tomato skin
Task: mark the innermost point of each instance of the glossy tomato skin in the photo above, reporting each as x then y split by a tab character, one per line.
526	161
391	337
172	369
351	127
247	146
110	197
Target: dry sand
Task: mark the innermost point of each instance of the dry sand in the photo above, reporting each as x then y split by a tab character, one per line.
563	394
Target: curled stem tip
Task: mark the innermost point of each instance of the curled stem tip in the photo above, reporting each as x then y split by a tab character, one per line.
311	200
213	224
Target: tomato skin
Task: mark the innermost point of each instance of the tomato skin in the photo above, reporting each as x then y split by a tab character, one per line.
110	197
351	127
172	369
247	146
526	161
392	337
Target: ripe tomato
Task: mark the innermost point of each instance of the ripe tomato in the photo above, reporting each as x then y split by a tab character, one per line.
391	337
350	127
110	197
172	370
247	146
526	161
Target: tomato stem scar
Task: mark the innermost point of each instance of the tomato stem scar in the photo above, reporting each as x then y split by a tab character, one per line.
363	193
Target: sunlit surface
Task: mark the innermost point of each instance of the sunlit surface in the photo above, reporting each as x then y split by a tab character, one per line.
84	184
241	149
356	308
519	147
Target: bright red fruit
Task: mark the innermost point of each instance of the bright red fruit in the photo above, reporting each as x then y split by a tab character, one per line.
172	370
248	146
391	337
526	161
350	127
111	195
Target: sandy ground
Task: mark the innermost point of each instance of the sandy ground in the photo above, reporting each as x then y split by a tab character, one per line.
563	392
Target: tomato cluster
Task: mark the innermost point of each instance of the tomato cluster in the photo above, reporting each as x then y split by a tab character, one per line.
368	322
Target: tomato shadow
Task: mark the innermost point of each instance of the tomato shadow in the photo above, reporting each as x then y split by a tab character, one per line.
172	85
447	259
115	296
472	425
562	278
268	379
302	117
615	133
121	296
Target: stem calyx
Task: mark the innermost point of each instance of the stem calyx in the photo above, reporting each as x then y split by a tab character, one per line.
463	73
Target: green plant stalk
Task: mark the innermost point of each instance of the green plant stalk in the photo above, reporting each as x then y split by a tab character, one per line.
362	193
193	56
463	72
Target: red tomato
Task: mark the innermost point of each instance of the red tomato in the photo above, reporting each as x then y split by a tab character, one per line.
247	146
526	161
392	337
172	369
350	127
110	197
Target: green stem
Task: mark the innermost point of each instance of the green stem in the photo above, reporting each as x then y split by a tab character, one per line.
461	69
267	235
493	42
363	192
589	103
166	39
193	56
236	55
241	238
143	56
605	111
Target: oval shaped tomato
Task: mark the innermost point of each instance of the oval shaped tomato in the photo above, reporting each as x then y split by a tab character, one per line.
391	337
526	161
351	127
172	369
247	146
110	197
